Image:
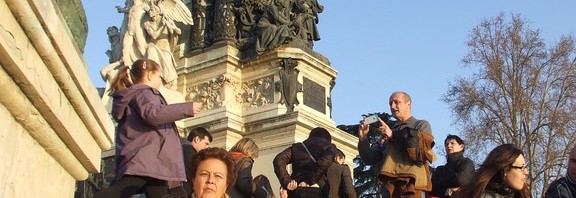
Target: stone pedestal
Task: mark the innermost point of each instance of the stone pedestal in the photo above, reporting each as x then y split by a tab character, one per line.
54	126
256	98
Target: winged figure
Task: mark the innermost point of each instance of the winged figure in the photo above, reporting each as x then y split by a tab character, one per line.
174	10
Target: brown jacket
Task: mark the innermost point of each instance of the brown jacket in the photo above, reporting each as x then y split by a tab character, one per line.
398	165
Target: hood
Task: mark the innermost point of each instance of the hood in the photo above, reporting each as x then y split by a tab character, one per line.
121	100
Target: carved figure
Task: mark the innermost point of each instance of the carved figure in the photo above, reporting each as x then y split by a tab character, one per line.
162	38
306	20
164	35
115	51
109	72
289	83
199	30
245	19
224	29
314	9
134	39
273	28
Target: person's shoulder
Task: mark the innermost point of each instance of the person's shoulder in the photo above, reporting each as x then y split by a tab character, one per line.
420	124
558	183
489	194
466	160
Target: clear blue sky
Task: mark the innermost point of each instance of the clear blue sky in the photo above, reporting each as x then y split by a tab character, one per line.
380	46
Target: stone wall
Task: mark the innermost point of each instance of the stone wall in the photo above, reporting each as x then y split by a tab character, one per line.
54	126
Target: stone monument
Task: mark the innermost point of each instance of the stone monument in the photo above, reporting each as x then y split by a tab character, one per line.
54	126
252	65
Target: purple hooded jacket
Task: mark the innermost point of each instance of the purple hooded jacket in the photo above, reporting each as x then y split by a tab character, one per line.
147	141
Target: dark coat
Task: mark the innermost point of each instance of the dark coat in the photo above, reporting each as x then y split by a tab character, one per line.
147	141
371	154
242	188
303	167
457	172
561	188
188	151
340	180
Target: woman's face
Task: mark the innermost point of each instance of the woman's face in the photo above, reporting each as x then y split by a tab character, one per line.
515	178
452	146
210	179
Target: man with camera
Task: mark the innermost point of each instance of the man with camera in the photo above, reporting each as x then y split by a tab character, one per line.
405	150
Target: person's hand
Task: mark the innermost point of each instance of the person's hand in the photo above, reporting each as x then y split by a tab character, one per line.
303	184
292	185
385	131
283	193
363	130
196	107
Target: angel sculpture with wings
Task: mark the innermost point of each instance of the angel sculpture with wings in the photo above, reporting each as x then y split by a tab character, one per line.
164	33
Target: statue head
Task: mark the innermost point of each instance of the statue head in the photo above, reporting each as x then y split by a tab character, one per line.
154	11
112	31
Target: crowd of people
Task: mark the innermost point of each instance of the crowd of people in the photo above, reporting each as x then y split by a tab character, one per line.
151	159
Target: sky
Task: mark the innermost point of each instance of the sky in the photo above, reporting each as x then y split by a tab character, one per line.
382	46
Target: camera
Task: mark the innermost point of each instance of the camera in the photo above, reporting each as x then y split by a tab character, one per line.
371	119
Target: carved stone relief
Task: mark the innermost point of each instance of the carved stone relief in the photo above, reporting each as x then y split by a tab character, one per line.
210	94
256	93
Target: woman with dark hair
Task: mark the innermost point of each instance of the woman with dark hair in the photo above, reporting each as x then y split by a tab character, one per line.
262	182
148	150
503	174
212	173
456	172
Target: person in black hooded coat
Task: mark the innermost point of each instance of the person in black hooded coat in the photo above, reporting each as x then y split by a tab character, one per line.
310	161
456	172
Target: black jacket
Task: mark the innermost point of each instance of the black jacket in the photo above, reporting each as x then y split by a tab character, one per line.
243	186
457	171
561	188
303	167
188	151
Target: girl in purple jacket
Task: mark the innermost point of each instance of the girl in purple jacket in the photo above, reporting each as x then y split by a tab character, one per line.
148	150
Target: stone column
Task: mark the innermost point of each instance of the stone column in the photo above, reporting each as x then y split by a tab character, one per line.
54	125
224	24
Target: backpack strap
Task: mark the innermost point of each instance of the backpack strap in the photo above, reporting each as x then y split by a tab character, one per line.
307	151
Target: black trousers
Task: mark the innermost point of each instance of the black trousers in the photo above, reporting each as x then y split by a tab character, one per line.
130	185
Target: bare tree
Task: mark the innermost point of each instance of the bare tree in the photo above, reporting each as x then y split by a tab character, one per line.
522	93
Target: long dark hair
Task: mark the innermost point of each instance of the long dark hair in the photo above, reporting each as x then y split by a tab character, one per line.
137	71
498	162
262	181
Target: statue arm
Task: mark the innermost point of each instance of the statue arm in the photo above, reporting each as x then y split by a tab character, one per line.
154	33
